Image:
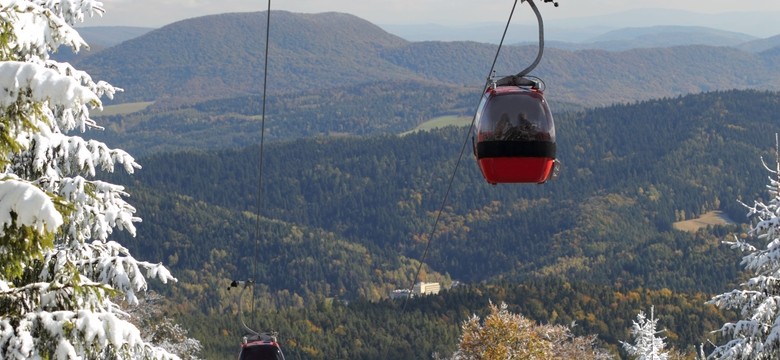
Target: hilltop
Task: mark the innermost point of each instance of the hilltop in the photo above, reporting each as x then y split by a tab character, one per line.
222	55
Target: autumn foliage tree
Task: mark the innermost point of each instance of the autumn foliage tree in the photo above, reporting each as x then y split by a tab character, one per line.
504	335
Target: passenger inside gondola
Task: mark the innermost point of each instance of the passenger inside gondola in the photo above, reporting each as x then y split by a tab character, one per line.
503	128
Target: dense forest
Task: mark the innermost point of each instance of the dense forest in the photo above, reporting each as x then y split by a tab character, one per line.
344	220
423	326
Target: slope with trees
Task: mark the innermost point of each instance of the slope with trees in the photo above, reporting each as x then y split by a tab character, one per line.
364	205
388	107
379	192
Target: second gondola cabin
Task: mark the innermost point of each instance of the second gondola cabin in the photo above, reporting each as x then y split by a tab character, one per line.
515	135
260	347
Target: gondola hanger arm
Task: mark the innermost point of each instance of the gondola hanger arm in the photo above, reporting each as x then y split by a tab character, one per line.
519	78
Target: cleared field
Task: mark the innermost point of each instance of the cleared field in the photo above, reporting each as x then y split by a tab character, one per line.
122	109
441	121
711	218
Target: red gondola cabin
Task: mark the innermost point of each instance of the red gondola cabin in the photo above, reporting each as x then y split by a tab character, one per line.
261	347
515	136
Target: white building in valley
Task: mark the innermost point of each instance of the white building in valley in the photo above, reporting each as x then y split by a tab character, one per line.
424	288
419	289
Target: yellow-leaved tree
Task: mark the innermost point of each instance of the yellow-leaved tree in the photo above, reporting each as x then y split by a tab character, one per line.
504	335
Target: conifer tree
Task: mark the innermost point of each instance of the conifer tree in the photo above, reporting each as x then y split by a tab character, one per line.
647	346
58	268
757	334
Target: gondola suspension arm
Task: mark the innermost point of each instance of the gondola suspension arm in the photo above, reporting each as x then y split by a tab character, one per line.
244	285
519	79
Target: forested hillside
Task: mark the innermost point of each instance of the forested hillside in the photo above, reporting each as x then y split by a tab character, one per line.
220	57
347	218
389	107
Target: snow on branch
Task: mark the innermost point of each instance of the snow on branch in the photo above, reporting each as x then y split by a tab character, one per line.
28	205
100	269
65	98
72	11
100	88
55	155
39	27
98	207
42	84
107	263
101	335
56	288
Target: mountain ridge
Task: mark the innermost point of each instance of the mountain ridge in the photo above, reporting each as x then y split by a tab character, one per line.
220	56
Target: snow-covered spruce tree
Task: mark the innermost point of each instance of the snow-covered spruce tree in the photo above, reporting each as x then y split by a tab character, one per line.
58	268
647	346
757	335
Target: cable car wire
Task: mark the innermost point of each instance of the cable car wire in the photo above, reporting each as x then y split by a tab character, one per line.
259	200
254	339
439	213
429	241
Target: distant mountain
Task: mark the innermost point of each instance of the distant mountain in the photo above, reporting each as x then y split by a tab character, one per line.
99	38
655	37
221	56
597	77
487	32
758	24
584	29
666	36
761	45
107	36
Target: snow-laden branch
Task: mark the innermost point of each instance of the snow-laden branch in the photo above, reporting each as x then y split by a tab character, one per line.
44	84
647	346
100	88
25	204
107	263
37	28
54	155
68	274
98	335
98	208
73	11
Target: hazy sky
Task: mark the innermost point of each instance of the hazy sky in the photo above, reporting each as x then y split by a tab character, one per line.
156	13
